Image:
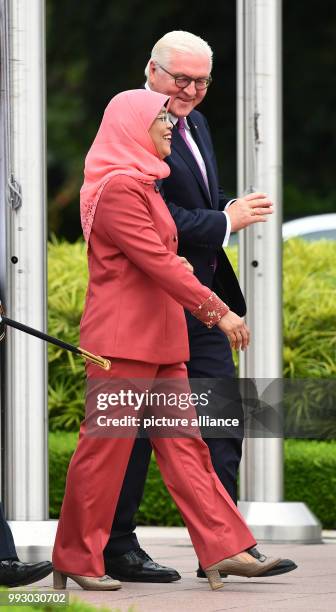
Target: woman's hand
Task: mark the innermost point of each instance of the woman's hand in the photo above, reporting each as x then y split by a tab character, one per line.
186	263
235	329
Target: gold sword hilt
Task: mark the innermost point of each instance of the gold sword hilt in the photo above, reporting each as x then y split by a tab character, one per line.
99	361
96	359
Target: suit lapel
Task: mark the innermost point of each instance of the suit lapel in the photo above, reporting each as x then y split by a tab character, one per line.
212	178
183	150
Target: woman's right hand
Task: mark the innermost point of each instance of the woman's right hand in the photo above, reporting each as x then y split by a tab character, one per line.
235	329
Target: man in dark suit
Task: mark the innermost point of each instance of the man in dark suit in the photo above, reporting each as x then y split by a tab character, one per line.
180	66
14	572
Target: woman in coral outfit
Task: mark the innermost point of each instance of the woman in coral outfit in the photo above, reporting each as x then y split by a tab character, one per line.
134	315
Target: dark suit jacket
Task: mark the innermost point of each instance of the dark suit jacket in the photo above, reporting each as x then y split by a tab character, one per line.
198	215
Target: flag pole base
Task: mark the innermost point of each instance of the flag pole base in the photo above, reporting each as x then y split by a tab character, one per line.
281	522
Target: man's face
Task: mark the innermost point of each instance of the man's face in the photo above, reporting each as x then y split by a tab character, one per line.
183	100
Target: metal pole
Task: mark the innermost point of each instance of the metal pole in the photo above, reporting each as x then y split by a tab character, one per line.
259	32
24	295
3	180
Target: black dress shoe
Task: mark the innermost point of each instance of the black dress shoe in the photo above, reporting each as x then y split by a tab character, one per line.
14	573
284	566
137	566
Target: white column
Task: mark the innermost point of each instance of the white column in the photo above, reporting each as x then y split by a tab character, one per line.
260	247
3	180
26	459
259	36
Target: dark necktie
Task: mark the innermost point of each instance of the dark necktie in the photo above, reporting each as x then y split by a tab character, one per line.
182	132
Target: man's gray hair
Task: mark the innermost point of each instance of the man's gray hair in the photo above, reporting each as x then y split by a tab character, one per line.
180	41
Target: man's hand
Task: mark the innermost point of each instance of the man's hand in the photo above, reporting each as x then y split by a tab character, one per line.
252	208
235	329
186	263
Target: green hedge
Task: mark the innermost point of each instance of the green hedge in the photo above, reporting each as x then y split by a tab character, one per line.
309	320
61	447
310	476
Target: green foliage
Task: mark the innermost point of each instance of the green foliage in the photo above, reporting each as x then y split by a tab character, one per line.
309	322
310	408
299	203
310	476
309	314
67	280
61	448
308	140
85	71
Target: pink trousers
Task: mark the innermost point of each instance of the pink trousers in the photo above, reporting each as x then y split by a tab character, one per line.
95	478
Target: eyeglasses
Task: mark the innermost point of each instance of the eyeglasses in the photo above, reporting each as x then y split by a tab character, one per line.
183	81
164	117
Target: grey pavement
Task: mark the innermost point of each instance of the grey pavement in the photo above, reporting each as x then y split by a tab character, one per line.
312	586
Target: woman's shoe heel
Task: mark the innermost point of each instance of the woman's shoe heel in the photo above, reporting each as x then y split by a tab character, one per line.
214	579
60	580
88	583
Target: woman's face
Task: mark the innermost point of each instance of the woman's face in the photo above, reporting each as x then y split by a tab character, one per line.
160	132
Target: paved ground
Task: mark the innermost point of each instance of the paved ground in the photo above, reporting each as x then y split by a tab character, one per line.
311	587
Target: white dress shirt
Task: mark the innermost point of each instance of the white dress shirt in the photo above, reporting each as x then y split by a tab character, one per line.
201	163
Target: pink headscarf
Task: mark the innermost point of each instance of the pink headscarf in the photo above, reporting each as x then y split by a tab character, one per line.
122	146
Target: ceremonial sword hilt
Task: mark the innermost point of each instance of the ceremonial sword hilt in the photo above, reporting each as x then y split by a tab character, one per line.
102	362
99	361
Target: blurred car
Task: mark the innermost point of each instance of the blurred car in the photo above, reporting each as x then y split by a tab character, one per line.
315	227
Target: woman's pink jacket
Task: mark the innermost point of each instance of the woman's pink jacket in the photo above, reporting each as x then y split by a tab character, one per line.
137	286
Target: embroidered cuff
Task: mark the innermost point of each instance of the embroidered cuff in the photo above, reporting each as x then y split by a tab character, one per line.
211	311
